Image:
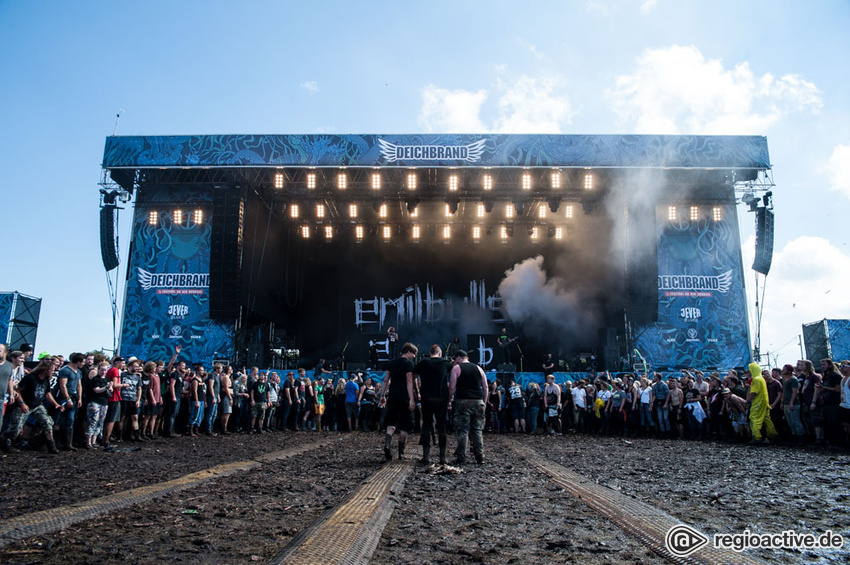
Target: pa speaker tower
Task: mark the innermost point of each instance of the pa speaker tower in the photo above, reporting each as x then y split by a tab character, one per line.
226	253
764	241
108	246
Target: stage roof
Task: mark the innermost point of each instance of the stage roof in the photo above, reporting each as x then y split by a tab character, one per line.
745	153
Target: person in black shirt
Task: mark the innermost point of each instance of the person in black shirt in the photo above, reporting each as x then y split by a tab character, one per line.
433	375
259	402
468	388
398	391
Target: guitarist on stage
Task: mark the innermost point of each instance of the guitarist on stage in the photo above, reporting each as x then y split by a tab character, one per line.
505	343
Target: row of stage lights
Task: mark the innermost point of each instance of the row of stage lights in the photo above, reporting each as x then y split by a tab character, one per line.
178	216
452	183
416	232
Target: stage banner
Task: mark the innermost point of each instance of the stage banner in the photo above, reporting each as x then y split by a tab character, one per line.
6	301
702	311
839	339
167	293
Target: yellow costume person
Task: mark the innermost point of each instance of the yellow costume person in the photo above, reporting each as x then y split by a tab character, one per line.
759	405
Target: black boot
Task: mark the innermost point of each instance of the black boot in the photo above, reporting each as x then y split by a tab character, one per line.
388	439
401	446
426	452
51	446
442	455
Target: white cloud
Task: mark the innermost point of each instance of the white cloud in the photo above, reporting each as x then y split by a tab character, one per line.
677	90
647	6
527	105
310	85
839	169
805	284
451	111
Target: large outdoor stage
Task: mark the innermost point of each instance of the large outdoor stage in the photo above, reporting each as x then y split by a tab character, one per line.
276	250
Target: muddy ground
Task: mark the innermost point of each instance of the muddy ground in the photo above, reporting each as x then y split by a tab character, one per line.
505	511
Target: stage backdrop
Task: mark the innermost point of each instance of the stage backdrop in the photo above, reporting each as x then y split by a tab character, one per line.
167	292
702	313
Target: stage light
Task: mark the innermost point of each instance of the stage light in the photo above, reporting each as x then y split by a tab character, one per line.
453	183
535	233
694	213
153	218
716	214
329	232
448	211
320	210
480	210
559	233
509	211
177	216
414	232
588	181
342	181
358	233
278	180
352	210
414	213
376	181
503	234
556	179
447	232
305	232
198	217
411	181
311	180
476	233
526	181
487	182
568	211
387	233
294	211
671	213
383	211
541	211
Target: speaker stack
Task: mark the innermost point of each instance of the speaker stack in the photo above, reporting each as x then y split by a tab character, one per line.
226	253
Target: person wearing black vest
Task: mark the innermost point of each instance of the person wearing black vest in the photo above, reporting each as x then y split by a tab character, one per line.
433	375
398	391
468	388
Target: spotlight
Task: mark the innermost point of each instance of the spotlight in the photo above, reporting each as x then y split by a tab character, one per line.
453	183
411	181
329	232
305	232
352	210
320	210
716	214
387	233
487	182
311	180
153	218
177	216
376	181
278	180
414	232
556	180
541	212
767	199
294	211
750	200
588	181
358	233
671	213
342	181
480	211
534	232
519	207
694	213
447	233
559	233
509	211
198	217
526	181
476	233
568	212
383	211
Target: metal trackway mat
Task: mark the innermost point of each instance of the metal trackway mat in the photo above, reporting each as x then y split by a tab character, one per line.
55	519
642	520
355	526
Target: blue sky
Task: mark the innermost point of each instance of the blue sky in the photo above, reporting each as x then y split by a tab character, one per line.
774	68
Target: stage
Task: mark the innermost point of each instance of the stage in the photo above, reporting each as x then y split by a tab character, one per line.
281	250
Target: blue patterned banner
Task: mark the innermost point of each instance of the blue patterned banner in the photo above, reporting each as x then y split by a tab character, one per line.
167	294
702	312
6	301
688	151
839	339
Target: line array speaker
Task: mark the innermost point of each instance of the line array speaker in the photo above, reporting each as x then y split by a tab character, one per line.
226	253
764	241
108	245
642	271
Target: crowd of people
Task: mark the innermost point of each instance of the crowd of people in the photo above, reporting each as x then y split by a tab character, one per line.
91	402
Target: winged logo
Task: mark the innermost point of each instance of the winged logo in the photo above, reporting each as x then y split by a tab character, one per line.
724	282
388	150
475	150
145	279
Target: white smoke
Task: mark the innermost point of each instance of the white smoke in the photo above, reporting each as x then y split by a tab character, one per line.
545	307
